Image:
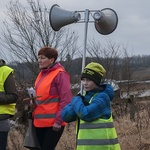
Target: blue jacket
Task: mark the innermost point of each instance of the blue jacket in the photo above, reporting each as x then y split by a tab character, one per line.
99	107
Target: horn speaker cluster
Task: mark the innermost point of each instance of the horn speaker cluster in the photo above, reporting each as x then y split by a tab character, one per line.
105	20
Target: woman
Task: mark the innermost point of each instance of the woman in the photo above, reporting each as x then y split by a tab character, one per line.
92	110
8	98
53	87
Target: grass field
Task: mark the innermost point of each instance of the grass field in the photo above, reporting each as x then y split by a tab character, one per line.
132	134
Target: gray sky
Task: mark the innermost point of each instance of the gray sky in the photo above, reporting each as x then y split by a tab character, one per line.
133	30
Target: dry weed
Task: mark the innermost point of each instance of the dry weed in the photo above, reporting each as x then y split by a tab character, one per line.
132	135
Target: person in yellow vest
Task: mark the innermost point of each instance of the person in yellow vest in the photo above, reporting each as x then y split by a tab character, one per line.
52	85
8	98
92	111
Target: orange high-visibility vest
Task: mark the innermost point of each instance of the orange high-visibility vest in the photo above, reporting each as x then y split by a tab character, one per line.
47	105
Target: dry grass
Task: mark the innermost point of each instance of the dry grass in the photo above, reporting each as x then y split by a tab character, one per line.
133	135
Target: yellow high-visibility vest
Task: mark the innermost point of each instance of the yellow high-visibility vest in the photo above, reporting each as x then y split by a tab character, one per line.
97	135
4	73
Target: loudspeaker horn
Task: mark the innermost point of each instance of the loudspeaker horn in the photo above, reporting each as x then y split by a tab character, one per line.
106	21
59	17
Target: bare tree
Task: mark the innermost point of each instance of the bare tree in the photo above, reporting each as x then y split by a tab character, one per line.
106	55
27	29
2	54
116	60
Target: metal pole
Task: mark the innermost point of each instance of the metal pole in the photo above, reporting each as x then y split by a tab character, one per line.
85	42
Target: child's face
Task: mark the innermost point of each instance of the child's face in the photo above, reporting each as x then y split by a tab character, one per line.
88	85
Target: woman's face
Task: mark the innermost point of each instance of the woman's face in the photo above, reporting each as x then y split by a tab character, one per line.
88	85
44	62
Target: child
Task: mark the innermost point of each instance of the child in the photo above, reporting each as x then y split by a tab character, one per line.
92	110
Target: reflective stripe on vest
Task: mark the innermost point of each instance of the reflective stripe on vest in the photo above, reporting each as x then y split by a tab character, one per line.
39	102
4	73
47	105
98	142
46	116
97	135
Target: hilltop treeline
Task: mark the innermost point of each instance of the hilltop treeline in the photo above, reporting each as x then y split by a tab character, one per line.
117	68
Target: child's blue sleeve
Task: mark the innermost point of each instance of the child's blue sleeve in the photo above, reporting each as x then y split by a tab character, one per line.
99	106
68	114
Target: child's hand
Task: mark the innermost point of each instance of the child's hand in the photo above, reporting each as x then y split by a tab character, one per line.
84	102
82	97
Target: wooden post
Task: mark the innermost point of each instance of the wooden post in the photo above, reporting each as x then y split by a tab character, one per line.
132	108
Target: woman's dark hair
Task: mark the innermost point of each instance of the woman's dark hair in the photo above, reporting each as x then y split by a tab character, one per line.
48	52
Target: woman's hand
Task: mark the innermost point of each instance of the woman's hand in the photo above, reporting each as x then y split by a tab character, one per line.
32	106
56	127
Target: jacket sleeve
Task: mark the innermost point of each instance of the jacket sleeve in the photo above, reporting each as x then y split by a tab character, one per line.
99	106
68	114
10	95
64	90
